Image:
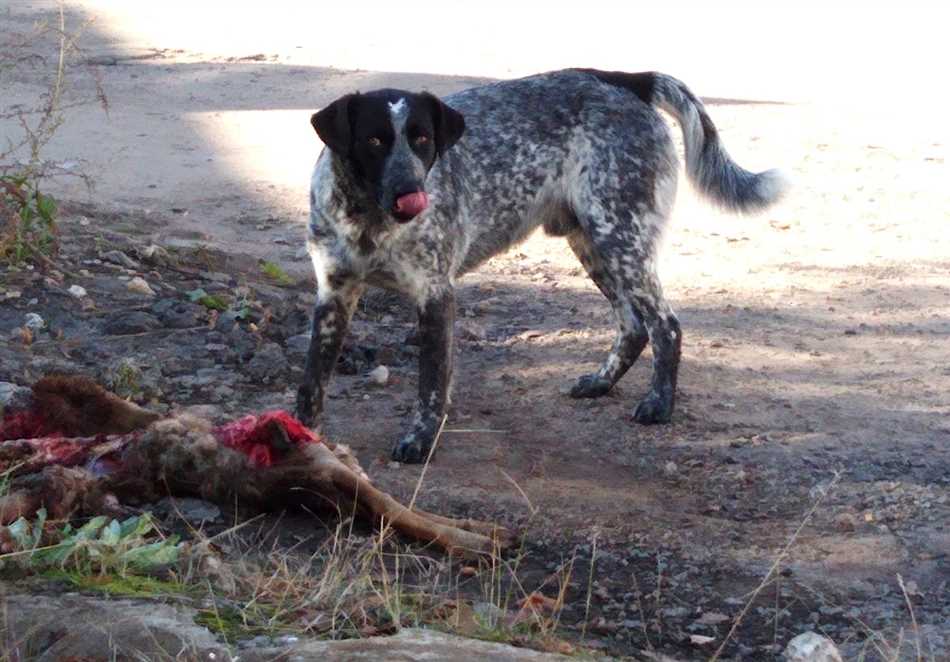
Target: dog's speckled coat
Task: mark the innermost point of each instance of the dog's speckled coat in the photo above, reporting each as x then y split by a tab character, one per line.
582	152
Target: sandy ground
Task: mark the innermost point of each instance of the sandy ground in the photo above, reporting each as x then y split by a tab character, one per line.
816	336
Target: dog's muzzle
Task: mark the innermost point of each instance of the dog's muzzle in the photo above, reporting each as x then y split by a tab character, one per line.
409	205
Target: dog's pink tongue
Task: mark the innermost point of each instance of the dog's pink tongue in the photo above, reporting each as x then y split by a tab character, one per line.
412	204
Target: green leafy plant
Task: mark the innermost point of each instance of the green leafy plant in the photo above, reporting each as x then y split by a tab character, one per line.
275	273
100	546
27	221
210	301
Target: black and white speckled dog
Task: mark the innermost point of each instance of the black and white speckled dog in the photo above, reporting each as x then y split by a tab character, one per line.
410	196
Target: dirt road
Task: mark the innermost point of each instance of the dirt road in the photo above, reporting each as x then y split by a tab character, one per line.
814	378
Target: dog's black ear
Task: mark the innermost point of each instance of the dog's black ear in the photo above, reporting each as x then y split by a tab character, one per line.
332	124
449	123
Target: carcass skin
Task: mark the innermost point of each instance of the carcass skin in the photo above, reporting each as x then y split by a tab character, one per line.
129	453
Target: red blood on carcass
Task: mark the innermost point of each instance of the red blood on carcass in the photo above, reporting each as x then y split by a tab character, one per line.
26	424
262	437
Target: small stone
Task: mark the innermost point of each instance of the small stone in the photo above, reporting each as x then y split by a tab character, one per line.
378	376
77	291
846	522
33	322
298	345
700	639
14	397
136	321
139	286
267	364
176	314
470	331
120	258
193	511
669	469
155	255
811	647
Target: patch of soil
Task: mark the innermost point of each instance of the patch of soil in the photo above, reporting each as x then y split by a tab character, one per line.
678	524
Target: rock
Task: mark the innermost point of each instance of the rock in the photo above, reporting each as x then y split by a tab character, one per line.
176	314
193	511
227	321
120	258
486	306
14	397
267	364
470	331
155	255
46	628
298	345
77	291
378	376
408	644
140	286
124	323
811	647
33	322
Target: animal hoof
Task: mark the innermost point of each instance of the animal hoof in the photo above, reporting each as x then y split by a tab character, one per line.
653	409
410	450
591	386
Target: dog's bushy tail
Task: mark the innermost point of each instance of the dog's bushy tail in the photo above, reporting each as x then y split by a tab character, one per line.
708	164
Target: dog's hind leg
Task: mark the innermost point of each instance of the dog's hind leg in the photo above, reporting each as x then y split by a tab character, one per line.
623	260
632	335
643	288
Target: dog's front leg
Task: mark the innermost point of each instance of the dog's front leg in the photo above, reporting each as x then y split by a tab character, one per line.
436	324
331	318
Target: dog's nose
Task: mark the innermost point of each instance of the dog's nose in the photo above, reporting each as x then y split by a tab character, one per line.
409	205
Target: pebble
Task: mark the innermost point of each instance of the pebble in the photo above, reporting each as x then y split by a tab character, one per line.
811	647
194	511
33	322
470	331
120	258
267	364
139	286
298	344
378	376
126	323
77	291
154	254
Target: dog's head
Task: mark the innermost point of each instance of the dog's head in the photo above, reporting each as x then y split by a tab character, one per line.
390	139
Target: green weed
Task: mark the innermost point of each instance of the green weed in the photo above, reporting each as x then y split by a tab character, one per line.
275	273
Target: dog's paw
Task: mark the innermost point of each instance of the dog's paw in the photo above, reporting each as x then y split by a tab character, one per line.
654	409
304	411
591	386
411	449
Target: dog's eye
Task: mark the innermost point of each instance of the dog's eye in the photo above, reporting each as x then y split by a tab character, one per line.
375	142
421	139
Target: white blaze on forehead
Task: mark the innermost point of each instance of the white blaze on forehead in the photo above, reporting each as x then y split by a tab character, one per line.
397	108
